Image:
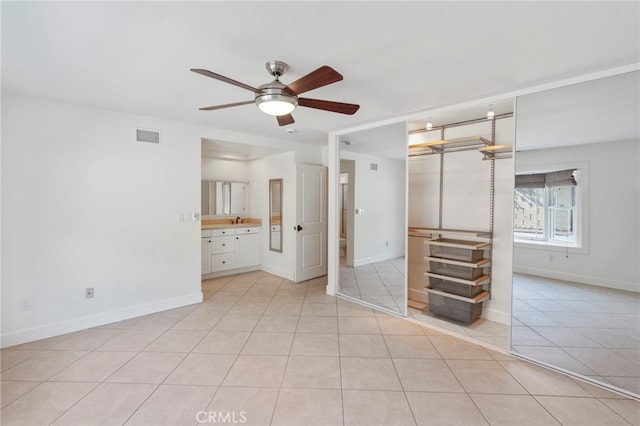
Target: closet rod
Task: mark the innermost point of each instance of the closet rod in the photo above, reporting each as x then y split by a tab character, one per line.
461	123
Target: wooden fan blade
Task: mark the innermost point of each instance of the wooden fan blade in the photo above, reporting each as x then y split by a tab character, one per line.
207	73
338	107
284	120
211	108
321	77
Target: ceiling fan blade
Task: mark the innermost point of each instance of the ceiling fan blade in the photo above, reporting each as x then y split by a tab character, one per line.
223	78
284	120
338	107
321	77
211	108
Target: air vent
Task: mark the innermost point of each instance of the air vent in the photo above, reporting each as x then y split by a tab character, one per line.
149	136
373	166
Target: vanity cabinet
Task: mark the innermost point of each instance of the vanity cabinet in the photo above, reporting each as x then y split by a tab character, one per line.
247	247
228	249
206	253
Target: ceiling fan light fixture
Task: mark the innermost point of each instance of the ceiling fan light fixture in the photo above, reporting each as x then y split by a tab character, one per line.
276	104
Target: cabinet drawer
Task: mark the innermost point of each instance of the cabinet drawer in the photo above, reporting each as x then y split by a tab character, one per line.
223	244
222	232
221	262
248	230
205	233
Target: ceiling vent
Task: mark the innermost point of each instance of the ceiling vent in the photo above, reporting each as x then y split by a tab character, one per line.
149	136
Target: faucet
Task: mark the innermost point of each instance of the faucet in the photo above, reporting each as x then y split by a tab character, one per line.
238	219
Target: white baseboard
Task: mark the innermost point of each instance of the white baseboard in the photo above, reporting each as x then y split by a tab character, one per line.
379	258
230	272
496	316
288	275
76	324
578	278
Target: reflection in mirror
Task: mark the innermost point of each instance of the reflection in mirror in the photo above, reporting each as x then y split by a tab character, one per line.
275	215
223	198
372	212
576	284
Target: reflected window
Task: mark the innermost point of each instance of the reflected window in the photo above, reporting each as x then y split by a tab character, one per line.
546	208
529	208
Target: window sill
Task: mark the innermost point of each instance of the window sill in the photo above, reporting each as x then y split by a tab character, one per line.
547	245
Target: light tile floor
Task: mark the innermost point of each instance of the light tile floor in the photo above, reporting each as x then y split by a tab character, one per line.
594	331
383	284
379	283
263	350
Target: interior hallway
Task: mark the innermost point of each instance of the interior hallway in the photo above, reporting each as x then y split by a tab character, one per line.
281	353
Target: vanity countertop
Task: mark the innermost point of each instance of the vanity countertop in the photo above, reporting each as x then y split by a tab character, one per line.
226	223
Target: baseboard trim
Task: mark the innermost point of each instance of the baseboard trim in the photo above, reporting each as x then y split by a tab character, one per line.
77	324
230	272
288	275
578	278
379	258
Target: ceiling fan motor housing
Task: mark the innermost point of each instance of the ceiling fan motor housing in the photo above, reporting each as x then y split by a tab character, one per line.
273	94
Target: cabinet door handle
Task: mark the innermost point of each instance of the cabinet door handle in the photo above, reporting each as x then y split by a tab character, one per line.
237	238
209	240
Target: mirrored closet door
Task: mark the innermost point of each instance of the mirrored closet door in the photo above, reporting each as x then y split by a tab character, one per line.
372	216
576	283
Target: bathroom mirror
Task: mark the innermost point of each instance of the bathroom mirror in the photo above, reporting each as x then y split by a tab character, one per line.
576	283
223	198
275	215
372	214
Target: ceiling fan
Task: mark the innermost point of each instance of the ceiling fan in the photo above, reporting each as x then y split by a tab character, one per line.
280	100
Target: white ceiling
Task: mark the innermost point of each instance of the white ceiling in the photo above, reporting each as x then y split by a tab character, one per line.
603	110
397	58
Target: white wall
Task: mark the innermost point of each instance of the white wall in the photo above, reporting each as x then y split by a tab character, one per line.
466	202
230	170
84	205
380	232
613	253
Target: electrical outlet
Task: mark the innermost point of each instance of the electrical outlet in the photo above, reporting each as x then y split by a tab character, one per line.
88	293
195	216
25	304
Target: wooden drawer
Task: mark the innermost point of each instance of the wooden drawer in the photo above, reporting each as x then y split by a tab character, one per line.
223	244
222	232
248	230
222	262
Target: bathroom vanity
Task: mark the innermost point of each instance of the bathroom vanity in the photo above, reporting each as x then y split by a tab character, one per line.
229	249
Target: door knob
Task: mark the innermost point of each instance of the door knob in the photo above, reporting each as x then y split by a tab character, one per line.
297	228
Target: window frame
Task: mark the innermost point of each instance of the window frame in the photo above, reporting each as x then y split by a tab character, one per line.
581	216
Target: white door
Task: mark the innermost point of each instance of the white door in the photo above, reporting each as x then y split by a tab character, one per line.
311	227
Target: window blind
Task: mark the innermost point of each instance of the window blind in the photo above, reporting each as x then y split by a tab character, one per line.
551	179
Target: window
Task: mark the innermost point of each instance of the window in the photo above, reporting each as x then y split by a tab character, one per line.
546	208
